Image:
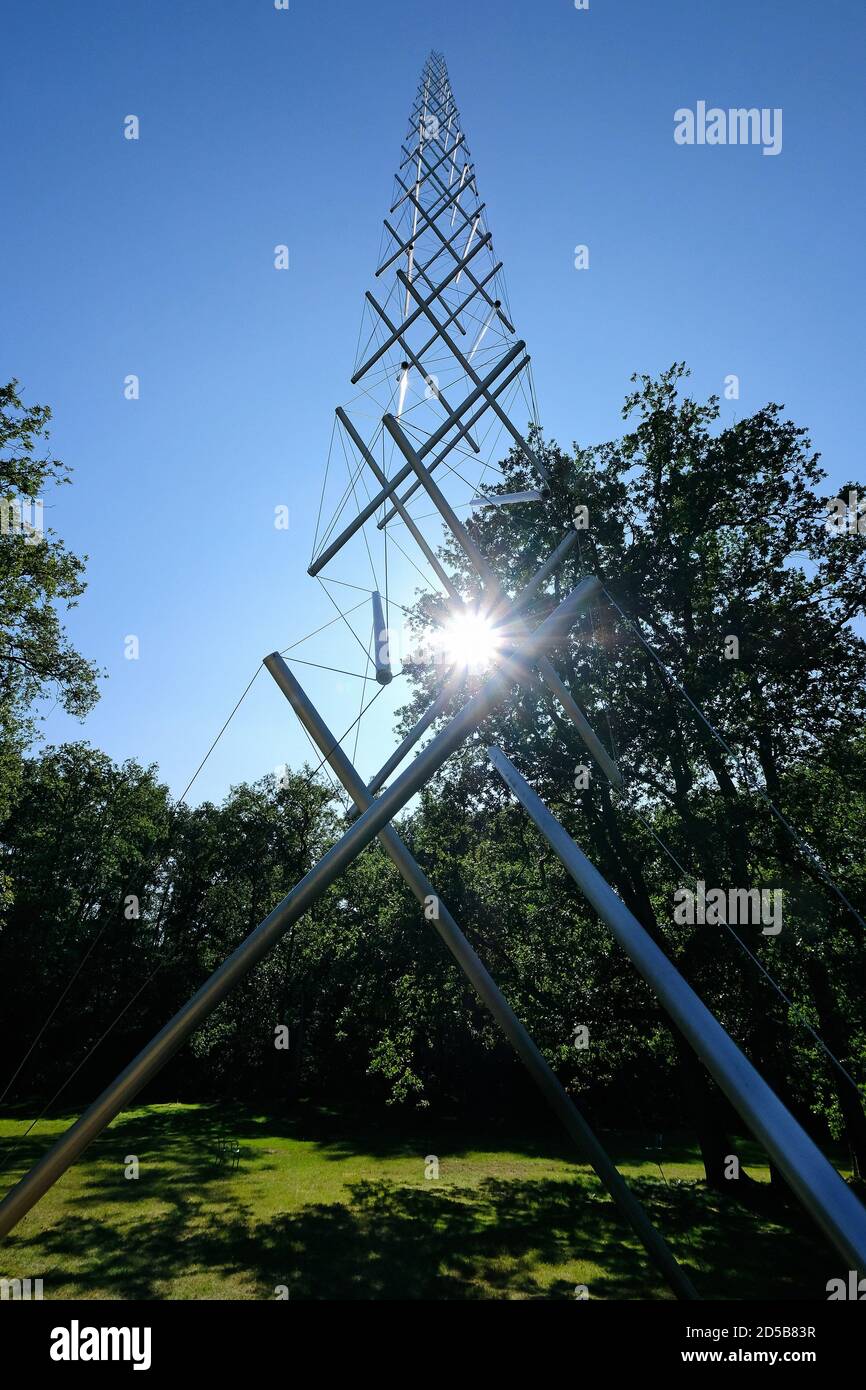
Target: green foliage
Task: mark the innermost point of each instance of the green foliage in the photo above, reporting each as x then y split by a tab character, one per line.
36	580
700	532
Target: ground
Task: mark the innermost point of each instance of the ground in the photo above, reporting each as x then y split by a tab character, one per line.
324	1206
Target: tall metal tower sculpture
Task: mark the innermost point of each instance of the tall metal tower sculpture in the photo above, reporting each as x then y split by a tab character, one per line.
439	364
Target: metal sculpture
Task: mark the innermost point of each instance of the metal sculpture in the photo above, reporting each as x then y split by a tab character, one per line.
439	365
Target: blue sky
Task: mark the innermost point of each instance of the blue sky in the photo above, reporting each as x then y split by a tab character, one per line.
261	127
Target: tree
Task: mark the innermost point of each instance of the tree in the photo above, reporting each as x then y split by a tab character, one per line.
82	848
700	534
230	865
37	575
124	902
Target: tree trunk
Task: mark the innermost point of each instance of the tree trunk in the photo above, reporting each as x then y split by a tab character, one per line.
833	1034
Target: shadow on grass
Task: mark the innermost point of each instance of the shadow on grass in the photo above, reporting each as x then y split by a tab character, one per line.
338	1132
341	1132
385	1242
503	1238
184	1140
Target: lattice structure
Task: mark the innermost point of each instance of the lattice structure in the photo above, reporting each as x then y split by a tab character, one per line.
445	285
438	352
441	374
437	349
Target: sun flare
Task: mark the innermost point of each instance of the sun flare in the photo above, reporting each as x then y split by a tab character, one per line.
470	641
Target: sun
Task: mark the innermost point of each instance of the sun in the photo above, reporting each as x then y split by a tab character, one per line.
470	641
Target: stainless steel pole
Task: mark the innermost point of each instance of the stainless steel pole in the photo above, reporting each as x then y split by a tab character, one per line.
416	362
413	530
449	342
429	219
441	703
381	642
161	1048
476	415
416	313
449	690
821	1190
484	985
403	247
402	474
489	579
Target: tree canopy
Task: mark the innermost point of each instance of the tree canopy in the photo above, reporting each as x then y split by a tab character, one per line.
39	578
701	534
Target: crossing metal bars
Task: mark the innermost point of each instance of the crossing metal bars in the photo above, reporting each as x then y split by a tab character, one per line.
479	977
161	1048
821	1190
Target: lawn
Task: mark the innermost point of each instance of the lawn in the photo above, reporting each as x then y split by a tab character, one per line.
325	1206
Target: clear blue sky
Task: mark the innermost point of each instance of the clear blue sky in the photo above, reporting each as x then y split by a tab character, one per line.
261	127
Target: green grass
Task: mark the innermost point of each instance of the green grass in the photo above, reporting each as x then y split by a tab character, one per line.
335	1208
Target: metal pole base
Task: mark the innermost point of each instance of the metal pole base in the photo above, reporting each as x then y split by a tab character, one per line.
821	1190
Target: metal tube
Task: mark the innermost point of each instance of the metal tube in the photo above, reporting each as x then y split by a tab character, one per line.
403	473
417	208
457	206
451	316
473	419
416	314
505	499
552	563
440	251
443	506
404	246
381	645
473	376
443	200
441	203
469	240
430	171
441	703
546	669
825	1196
430	221
445	696
415	153
420	273
416	361
589	737
429	555
163	1047
484	985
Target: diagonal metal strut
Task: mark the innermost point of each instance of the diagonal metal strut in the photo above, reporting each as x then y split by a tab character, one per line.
162	1048
812	1177
485	986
